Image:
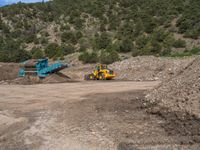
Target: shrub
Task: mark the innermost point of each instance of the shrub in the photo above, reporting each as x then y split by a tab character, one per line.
51	49
37	53
69	37
79	35
102	41
66	36
195	51
192	34
67	49
141	42
16	33
78	23
44	41
108	56
179	44
87	57
20	56
126	46
82	48
30	38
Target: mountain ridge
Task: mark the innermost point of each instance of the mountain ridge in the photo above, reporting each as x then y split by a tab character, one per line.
99	29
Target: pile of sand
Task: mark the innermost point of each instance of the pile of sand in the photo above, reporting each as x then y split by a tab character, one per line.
181	93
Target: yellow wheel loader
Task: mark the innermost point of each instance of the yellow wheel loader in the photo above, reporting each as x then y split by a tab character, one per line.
101	72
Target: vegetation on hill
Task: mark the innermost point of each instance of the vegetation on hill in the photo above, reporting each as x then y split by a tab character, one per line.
97	29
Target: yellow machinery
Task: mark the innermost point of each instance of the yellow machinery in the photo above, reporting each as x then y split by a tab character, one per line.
101	73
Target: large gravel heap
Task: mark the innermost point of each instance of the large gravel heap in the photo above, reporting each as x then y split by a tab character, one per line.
181	93
8	71
149	68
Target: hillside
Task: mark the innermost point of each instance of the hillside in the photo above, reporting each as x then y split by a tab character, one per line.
99	30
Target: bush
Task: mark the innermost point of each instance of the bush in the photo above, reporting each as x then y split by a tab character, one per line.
126	46
37	53
30	38
108	56
44	41
179	44
66	36
86	57
78	23
51	50
102	41
69	37
141	42
79	35
82	48
21	55
10	51
16	33
192	34
67	49
195	51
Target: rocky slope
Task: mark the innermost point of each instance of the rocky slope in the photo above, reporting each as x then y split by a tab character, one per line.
149	68
181	93
139	27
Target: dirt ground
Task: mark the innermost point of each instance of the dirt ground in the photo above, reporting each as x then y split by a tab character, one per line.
86	116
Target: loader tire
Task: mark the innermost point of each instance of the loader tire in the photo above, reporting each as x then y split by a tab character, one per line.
89	77
102	77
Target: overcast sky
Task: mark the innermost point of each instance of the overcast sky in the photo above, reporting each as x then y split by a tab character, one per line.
7	2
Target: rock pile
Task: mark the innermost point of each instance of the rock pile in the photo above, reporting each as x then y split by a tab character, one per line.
149	68
181	93
8	71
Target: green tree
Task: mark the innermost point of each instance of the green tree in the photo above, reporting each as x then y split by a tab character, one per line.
126	46
67	49
108	56
87	57
51	50
102	41
37	53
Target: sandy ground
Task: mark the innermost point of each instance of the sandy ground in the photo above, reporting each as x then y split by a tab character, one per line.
83	116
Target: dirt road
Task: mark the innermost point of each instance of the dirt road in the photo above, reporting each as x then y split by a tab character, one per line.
82	116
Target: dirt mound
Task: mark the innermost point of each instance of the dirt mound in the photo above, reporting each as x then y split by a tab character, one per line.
57	78
77	72
181	93
149	68
28	80
9	71
142	68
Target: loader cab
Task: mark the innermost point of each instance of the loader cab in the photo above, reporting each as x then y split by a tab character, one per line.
101	67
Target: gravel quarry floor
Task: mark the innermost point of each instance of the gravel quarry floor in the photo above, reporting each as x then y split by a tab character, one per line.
85	116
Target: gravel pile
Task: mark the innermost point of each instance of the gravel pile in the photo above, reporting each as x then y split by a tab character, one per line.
29	80
181	93
78	72
149	68
8	71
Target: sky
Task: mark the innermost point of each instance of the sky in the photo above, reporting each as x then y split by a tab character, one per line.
7	2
